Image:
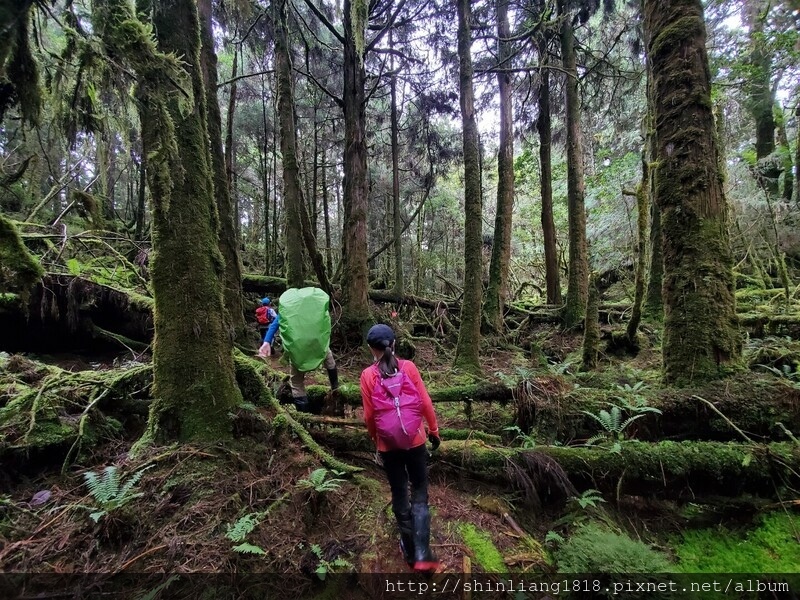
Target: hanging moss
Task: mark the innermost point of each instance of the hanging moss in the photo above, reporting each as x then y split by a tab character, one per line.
19	270
359	13
19	72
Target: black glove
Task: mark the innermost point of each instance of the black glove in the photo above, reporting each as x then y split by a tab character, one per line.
435	441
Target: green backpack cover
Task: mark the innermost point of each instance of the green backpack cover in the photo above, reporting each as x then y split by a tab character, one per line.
305	326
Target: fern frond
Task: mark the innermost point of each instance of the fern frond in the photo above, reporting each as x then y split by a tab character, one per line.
92	482
628	421
240	530
246	548
595	438
132	481
111	482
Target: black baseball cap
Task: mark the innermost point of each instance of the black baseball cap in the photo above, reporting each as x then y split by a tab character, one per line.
380	336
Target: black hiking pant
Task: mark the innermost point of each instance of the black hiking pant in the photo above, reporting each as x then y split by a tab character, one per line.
402	467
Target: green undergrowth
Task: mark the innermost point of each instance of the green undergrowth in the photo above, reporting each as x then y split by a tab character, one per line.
483	549
594	548
773	546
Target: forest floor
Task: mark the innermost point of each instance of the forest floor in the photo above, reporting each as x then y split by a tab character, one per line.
262	504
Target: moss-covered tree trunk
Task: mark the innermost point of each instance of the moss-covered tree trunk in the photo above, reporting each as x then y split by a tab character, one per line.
578	282
591	327
355	274
642	215
228	245
194	388
469	336
653	303
787	168
701	334
544	128
292	192
497	290
797	149
760	95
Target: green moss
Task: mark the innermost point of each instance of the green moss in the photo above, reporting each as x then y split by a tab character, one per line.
249	379
772	547
593	548
19	270
480	543
51	433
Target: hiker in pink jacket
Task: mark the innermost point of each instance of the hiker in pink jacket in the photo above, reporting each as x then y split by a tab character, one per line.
395	404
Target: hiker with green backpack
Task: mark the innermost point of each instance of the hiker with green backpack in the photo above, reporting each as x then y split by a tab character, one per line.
396	403
305	327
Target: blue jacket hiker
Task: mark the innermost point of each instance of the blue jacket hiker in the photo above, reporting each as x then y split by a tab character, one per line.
268	320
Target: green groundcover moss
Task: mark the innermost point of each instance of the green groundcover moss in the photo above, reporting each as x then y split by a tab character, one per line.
771	547
486	553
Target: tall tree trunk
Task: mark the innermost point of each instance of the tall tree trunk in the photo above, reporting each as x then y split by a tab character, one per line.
326	213
194	387
654	302
578	282
497	290
355	275
469	335
761	98
267	178
701	335
228	246
787	167
797	149
229	158
292	192
543	126
642	215
399	282
591	332
141	209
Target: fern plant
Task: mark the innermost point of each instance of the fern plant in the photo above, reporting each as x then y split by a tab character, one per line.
319	482
614	425
241	529
109	492
325	566
526	441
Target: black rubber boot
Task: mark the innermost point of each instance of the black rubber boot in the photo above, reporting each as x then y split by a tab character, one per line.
333	377
406	526
302	404
424	560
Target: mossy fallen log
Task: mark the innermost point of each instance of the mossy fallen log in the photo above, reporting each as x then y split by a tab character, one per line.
754	403
555	412
50	414
671	469
66	312
489	392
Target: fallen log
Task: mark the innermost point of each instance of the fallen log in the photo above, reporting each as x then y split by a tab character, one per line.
68	312
673	469
552	411
754	403
351	394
